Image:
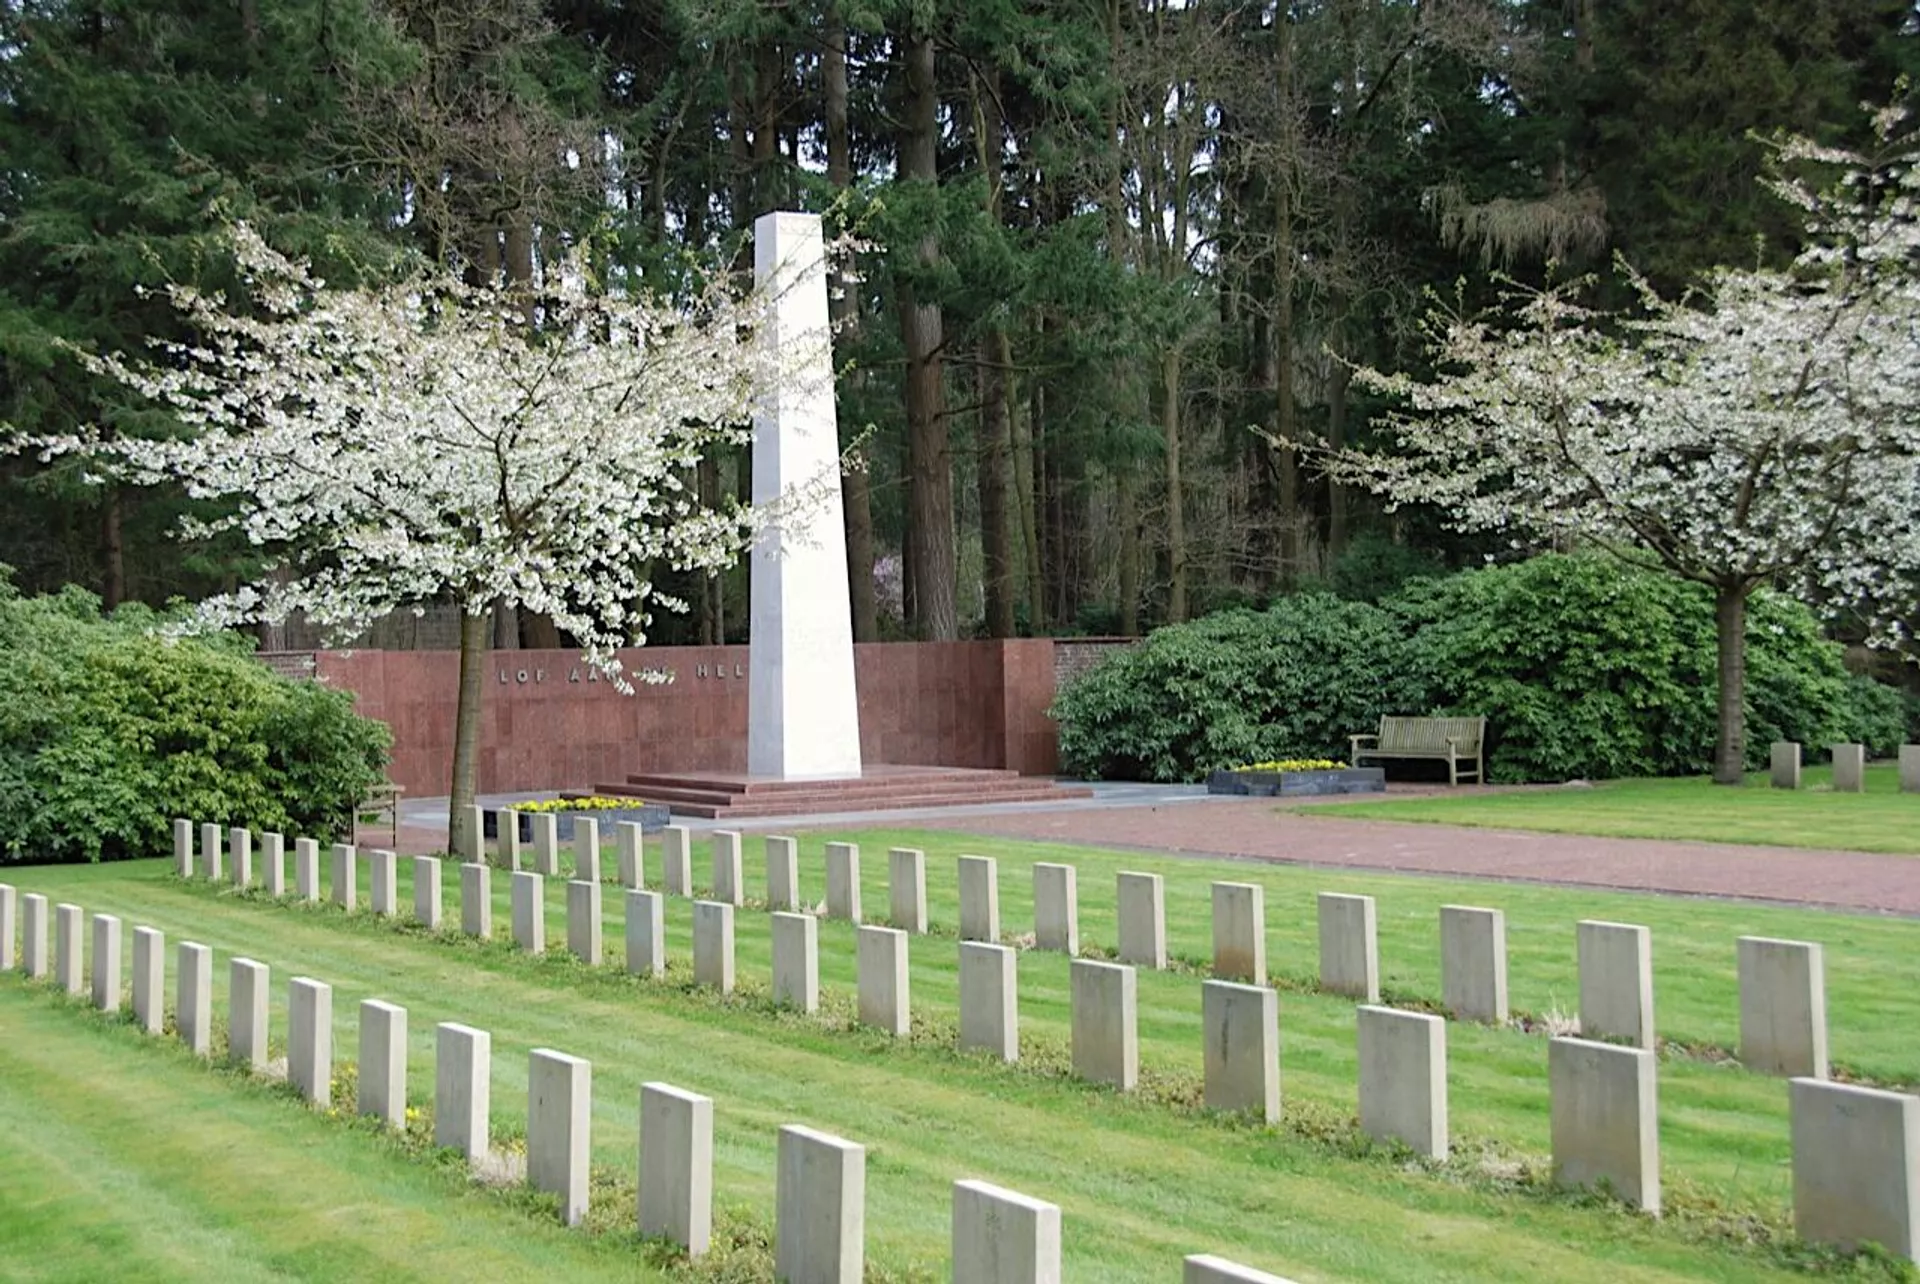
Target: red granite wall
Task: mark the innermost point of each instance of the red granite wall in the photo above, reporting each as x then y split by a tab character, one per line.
549	723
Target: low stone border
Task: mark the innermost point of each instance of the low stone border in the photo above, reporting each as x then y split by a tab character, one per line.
1296	784
651	817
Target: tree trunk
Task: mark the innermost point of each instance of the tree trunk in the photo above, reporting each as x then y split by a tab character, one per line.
1176	506
1336	441
1024	458
843	302
1126	515
113	551
466	734
1730	626
930	466
991	377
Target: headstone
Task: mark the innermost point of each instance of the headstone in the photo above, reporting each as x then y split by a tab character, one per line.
546	844
383	878
476	901
1143	920
1473	963
1849	769
882	955
106	962
843	881
476	845
149	979
212	842
273	861
9	913
310	1040
676	1166
1616	981
68	943
713	945
33	935
306	869
183	847
1910	769
193	997
796	961
729	880
1856	1167
559	1128
528	896
240	856
586	848
1241	1026
507	827
1784	764
1003	1237
646	933
1056	908
1403	1079
631	842
1106	1043
346	877
803	719
247	994
783	874
990	999
462	1089
907	889
1203	1268
1349	949
583	921
1240	932
820	1207
1783	1007
979	898
676	854
1605	1114
383	1062
428	905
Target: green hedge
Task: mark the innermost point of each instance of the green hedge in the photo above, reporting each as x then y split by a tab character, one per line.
1583	667
108	731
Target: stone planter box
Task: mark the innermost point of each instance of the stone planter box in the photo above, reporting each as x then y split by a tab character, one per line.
1296	784
651	817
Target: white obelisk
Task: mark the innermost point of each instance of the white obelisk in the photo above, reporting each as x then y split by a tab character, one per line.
803	717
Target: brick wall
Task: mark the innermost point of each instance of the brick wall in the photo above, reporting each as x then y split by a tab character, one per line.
1074	656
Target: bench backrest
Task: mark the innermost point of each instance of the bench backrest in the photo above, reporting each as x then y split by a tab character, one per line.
1431	734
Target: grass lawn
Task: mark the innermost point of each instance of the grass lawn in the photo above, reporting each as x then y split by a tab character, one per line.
1141	1180
1692	809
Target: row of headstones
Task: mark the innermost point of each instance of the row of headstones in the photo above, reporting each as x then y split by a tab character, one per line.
999	1236
1783	1027
1604	1103
1849	767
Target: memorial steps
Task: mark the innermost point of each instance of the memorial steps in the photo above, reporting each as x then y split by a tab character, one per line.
722	795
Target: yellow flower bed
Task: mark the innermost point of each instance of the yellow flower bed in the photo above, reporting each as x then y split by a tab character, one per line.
576	804
1294	764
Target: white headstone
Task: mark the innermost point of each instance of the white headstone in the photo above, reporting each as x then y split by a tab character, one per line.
803	720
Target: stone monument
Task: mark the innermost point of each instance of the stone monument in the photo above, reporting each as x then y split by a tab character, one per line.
803	720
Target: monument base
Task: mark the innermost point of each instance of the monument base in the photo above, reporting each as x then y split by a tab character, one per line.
726	795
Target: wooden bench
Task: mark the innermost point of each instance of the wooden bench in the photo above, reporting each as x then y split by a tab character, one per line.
384	800
1454	741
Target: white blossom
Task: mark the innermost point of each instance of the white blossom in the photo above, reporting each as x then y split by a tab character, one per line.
427	440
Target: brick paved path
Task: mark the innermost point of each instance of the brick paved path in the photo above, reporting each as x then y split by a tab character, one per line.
1254	829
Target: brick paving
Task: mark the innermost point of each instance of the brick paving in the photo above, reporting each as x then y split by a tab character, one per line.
1253	829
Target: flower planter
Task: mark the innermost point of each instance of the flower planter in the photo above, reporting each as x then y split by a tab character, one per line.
1297	784
651	817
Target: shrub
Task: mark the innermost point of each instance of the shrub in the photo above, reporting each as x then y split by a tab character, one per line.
1374	567
1583	667
108	732
1241	686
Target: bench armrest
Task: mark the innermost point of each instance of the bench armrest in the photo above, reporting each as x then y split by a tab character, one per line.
1357	743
